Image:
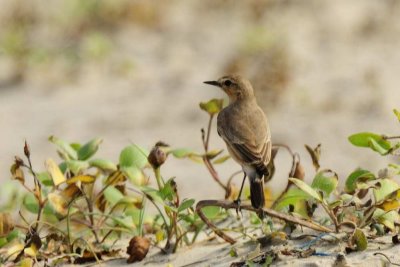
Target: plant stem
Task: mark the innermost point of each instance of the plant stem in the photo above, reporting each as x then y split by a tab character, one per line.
332	216
206	144
91	217
390	137
157	174
141	215
206	140
230	205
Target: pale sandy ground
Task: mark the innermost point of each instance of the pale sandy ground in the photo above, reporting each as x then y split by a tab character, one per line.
344	63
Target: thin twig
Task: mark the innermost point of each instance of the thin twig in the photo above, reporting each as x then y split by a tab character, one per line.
387	258
295	161
230	205
206	141
385	137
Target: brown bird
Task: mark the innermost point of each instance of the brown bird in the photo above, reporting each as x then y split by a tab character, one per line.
244	128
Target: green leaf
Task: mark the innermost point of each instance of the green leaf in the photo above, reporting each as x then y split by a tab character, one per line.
213	106
378	147
133	155
124	221
45	178
134	174
76	146
89	149
211	212
360	240
186	204
326	184
30	203
355	177
306	188
103	164
213	153
85	179
182	153
386	188
291	197
388	219
155	195
397	113
167	192
221	159
371	140
77	166
113	195
65	148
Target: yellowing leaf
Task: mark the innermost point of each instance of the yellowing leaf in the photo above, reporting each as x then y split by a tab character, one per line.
160	236
31	251
360	240
397	113
26	262
389	205
85	179
55	172
17	173
386	188
14	250
6	224
58	203
213	106
213	153
221	159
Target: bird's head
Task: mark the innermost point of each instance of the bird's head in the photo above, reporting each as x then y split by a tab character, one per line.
235	86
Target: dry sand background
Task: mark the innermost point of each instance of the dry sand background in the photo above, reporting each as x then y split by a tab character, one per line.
322	70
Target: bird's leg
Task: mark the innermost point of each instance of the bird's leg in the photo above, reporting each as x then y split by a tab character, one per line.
237	201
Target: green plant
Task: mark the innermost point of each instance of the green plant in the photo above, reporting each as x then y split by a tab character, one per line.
367	200
83	205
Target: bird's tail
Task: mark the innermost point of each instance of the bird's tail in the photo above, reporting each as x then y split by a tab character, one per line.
257	194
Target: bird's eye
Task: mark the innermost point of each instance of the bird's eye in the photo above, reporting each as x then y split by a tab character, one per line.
227	83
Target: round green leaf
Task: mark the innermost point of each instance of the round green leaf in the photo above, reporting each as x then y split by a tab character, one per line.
306	188
386	188
213	106
88	150
186	204
113	195
64	147
360	240
133	155
371	140
324	183
355	177
291	197
103	164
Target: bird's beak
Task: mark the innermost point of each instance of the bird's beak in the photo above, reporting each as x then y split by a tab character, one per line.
215	83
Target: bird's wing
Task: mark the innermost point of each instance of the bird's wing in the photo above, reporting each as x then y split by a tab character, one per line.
249	140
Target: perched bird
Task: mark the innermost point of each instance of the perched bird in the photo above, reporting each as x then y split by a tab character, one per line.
244	128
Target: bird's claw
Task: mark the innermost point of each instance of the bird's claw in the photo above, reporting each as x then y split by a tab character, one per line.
238	202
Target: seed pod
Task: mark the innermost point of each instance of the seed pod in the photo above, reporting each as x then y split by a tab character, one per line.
27	151
157	155
138	249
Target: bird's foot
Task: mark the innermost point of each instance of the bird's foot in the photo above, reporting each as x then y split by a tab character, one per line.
238	202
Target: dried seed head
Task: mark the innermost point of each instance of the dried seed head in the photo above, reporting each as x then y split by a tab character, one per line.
157	155
18	161
27	150
138	249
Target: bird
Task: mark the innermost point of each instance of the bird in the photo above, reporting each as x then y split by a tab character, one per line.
244	127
